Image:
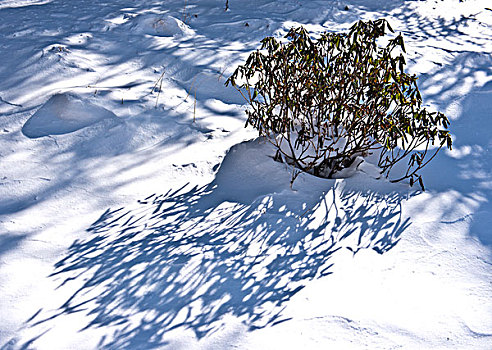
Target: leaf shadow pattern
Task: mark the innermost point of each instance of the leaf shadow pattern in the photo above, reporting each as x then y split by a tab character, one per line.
193	256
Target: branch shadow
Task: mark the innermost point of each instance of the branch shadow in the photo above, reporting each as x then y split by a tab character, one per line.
458	82
468	167
241	246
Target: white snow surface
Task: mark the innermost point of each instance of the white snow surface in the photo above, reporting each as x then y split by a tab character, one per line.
137	212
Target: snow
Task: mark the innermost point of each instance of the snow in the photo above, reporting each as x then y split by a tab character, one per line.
137	212
62	114
160	25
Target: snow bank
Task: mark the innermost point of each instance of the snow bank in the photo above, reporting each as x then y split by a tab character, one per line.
161	26
63	114
22	3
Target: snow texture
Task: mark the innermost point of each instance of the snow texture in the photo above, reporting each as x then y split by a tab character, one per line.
137	212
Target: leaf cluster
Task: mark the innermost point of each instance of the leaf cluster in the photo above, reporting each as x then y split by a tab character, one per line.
324	102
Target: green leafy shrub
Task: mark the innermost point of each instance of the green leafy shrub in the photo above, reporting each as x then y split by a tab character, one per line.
323	103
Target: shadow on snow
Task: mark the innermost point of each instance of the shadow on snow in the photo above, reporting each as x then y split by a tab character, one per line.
241	246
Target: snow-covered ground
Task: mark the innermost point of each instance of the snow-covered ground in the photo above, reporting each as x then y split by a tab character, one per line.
137	212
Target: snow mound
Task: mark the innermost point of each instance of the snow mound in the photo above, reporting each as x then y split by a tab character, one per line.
22	3
245	163
161	26
63	114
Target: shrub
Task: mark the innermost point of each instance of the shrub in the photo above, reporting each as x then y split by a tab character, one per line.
325	102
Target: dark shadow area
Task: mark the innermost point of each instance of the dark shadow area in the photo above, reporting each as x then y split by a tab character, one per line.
10	241
192	256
